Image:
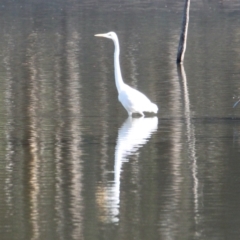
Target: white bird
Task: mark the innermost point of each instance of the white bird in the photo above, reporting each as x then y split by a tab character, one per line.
132	100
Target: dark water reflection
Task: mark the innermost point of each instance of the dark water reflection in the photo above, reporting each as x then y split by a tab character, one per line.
73	166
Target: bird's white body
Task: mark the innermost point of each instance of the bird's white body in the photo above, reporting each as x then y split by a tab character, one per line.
132	100
135	102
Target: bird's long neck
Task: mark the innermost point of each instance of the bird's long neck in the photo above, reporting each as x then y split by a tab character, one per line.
117	70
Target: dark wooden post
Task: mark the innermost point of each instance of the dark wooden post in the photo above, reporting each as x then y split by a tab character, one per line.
183	37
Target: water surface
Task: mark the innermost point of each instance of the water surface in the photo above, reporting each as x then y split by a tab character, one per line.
74	166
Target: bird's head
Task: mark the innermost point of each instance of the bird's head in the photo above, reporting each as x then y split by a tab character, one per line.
111	35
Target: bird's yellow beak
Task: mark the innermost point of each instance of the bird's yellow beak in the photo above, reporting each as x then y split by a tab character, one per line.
100	35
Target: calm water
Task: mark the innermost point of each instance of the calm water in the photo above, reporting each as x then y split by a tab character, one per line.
73	166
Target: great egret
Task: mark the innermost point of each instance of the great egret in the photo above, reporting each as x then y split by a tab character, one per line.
132	100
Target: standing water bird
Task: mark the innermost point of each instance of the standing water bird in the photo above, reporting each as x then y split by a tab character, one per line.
132	100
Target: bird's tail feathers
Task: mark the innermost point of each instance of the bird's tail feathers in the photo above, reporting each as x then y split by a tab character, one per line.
154	108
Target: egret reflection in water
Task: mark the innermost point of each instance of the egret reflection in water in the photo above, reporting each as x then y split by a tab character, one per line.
133	134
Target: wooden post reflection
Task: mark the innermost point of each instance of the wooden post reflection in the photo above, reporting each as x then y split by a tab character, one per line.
191	139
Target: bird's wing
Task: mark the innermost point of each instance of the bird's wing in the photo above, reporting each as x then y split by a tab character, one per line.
133	100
